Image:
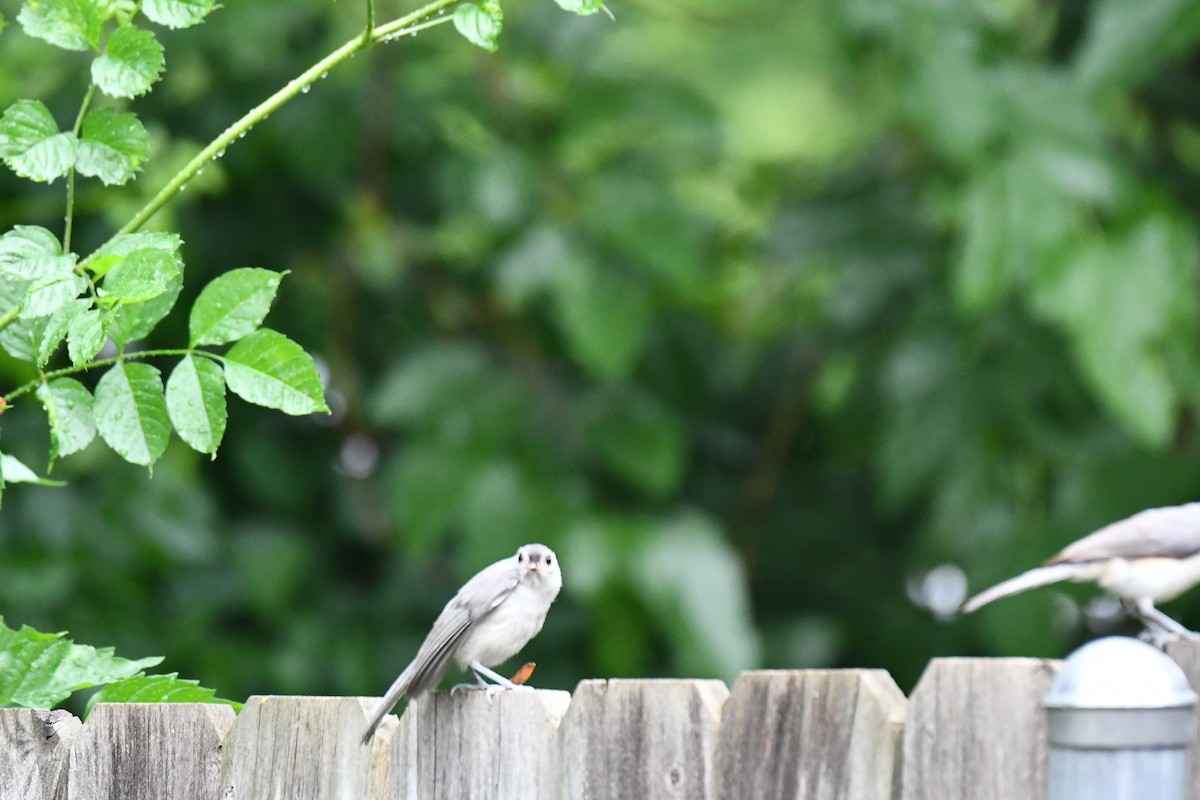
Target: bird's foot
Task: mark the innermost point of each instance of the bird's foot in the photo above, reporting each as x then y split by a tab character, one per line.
499	683
494	688
1160	638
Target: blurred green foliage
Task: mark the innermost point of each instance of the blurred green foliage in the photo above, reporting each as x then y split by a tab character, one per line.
768	316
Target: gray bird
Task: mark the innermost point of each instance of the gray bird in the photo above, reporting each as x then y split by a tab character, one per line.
491	618
1150	557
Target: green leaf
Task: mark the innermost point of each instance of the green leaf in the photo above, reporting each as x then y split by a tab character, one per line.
22	337
57	327
69	24
113	146
1127	40
1125	300
196	403
268	369
69	410
695	583
31	144
605	317
480	24
86	335
583	8
169	688
427	486
132	62
638	440
233	305
121	246
178	13
144	275
40	670
32	253
48	295
135	321
14	471
131	413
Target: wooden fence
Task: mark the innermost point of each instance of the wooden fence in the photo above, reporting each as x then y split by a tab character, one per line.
973	729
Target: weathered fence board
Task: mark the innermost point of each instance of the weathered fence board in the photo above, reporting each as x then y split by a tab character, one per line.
641	738
973	729
148	751
299	748
976	730
35	748
1186	653
472	746
812	734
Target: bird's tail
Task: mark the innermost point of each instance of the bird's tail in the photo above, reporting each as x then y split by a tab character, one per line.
1039	576
398	689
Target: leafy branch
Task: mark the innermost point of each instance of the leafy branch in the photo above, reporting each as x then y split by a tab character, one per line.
410	23
119	293
40	670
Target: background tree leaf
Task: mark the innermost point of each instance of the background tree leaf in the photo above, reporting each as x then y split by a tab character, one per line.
638	440
688	574
604	317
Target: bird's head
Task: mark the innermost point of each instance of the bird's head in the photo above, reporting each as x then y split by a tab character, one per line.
538	562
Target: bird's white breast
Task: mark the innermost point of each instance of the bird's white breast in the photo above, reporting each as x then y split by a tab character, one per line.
1157	578
502	634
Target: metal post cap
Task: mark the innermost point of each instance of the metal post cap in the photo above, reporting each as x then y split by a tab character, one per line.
1118	692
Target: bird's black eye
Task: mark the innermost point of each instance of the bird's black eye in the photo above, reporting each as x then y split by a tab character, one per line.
520	557
549	559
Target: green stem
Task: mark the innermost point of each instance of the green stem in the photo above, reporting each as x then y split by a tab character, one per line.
9	316
104	362
70	215
370	21
216	148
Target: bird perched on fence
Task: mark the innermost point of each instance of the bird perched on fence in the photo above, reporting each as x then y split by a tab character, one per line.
491	618
1150	557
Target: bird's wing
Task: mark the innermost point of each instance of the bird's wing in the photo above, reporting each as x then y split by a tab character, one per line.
489	588
474	601
1171	532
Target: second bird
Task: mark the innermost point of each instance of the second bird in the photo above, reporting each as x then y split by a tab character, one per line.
1147	558
491	618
